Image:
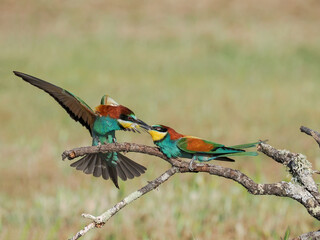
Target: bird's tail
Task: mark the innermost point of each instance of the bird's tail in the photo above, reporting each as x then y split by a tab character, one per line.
239	154
98	165
247	145
226	157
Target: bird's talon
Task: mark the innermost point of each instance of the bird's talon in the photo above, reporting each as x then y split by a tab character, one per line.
190	166
191	163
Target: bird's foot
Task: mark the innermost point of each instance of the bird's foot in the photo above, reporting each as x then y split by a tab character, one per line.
190	165
99	145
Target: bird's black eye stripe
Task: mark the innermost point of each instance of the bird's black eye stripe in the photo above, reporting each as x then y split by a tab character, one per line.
126	117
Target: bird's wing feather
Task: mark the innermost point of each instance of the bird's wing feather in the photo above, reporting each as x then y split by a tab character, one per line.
197	145
75	107
192	145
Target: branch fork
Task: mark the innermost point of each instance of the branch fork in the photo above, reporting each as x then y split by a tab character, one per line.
302	187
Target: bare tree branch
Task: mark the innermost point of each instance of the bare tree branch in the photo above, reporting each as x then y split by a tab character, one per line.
99	221
115	147
309	236
298	165
84	230
302	188
312	133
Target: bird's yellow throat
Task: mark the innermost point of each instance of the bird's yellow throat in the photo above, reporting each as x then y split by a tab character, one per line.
157	136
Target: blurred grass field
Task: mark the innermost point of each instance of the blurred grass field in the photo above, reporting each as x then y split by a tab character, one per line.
232	72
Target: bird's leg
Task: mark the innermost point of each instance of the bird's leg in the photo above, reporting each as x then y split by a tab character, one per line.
99	144
191	162
96	142
114	140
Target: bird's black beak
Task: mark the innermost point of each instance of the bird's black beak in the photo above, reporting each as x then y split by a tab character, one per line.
142	124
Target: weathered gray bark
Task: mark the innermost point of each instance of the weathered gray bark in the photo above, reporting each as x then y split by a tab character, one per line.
302	188
309	236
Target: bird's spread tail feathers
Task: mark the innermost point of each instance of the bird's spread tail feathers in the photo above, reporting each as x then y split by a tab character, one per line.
97	164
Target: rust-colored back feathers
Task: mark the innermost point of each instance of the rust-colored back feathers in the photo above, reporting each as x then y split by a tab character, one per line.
113	111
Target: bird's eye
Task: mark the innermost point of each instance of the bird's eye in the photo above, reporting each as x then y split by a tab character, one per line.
158	129
130	118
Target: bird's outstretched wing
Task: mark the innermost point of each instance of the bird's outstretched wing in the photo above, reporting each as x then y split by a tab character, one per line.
75	107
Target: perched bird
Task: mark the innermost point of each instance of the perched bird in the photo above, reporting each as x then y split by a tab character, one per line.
102	123
174	145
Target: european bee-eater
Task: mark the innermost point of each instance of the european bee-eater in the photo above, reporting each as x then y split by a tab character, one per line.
174	145
102	123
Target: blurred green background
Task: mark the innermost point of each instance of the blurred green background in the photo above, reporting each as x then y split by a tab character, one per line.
228	71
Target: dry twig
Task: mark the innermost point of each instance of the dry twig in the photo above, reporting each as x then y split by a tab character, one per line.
99	221
312	133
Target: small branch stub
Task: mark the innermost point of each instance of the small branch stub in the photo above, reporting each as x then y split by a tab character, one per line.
310	132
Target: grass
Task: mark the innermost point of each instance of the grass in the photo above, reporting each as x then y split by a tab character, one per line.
229	72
